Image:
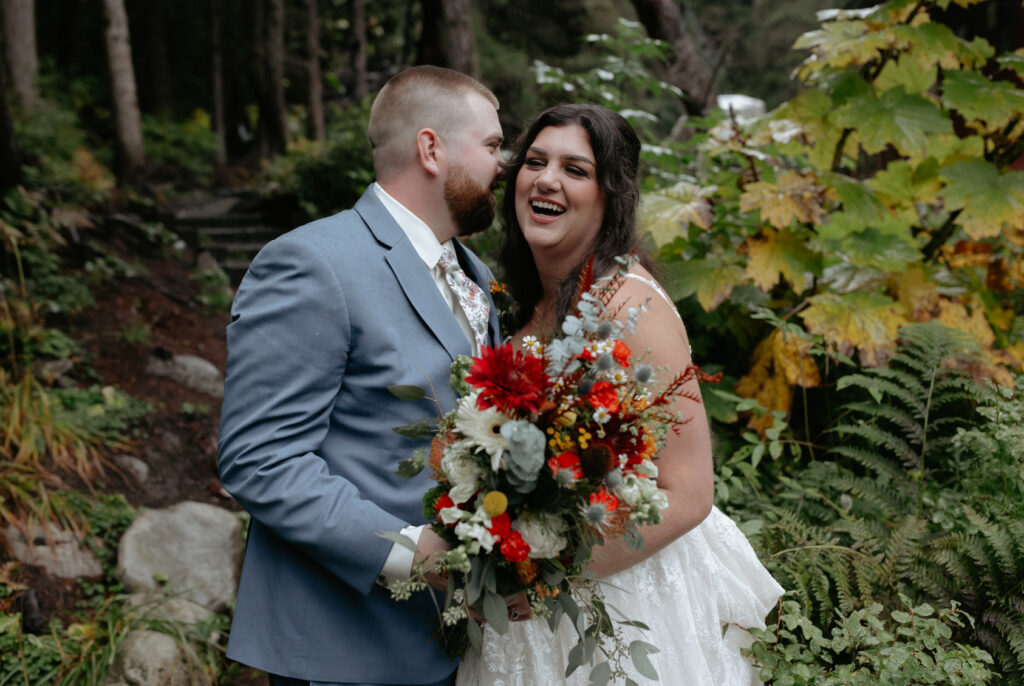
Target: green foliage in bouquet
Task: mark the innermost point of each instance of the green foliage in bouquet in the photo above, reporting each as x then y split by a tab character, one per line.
549	453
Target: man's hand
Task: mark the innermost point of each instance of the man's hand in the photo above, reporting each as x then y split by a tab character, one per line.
430	545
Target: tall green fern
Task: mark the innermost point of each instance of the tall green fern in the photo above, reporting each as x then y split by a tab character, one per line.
922	494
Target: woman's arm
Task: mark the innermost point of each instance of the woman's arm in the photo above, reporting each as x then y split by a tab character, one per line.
685	468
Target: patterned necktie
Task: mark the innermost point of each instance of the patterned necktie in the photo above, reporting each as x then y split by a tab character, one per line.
471	297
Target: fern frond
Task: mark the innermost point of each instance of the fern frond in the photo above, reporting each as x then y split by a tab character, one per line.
909	389
894	414
875	435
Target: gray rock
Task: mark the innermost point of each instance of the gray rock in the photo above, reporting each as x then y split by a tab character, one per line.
150	658
133	466
192	547
191	371
57	551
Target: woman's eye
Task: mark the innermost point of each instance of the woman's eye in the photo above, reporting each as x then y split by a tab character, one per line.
534	163
576	171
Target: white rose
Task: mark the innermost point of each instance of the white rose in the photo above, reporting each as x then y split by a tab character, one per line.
464	474
543	533
629	490
476	537
647	468
450	515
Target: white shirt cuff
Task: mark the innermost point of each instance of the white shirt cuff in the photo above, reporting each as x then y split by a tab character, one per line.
398	565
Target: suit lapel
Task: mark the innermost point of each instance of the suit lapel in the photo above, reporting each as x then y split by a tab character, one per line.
412	276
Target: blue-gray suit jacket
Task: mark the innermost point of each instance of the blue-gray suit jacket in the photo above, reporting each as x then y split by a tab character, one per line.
328	316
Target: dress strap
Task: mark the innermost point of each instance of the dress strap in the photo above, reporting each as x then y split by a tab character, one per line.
653	285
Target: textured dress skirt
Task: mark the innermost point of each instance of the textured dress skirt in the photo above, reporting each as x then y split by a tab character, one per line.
697	596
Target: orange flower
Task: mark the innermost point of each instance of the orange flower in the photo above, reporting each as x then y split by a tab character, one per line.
527	571
603	395
621	353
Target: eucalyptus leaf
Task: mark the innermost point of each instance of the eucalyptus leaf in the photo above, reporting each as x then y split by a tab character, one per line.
496	612
407	392
421	429
575	658
475	635
601	674
475	581
400	539
638	652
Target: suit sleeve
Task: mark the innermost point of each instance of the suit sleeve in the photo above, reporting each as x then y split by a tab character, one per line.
287	347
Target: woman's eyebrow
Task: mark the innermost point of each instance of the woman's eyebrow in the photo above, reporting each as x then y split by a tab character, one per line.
570	158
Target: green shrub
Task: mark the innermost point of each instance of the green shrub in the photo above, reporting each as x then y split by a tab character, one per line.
183	152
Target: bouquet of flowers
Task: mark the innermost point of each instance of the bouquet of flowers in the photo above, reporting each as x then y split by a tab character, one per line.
550	451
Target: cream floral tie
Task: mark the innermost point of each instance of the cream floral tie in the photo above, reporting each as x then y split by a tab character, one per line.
471	297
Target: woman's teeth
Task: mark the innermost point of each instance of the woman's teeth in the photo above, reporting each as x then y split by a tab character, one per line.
547	208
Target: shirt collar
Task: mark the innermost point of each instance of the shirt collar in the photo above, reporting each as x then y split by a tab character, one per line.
416	230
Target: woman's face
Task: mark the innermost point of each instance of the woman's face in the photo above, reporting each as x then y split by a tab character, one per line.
559	204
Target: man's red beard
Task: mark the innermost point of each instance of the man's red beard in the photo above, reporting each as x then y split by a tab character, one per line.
471	205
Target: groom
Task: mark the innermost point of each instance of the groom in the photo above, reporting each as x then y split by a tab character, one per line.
327	318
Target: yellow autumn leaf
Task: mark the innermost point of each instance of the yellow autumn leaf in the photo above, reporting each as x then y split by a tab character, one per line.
717	287
955	315
776	254
917	293
866	321
770	389
90	172
794	197
667	213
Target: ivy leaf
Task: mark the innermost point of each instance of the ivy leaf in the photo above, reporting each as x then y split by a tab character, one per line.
898	118
781	253
667	213
990	202
866	321
793	197
975	97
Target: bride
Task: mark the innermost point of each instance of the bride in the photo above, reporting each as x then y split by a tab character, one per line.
573	193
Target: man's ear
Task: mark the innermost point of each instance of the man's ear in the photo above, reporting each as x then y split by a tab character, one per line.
430	151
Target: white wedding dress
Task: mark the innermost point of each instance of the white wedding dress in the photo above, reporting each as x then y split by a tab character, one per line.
696	595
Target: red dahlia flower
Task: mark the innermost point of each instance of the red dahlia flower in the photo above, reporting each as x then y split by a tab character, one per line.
603	395
509	380
514	548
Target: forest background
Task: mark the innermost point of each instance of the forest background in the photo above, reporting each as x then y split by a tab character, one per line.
850	261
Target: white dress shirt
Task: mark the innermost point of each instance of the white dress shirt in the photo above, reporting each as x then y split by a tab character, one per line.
398	565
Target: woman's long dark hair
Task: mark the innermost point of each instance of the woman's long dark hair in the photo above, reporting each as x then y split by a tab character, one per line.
617	154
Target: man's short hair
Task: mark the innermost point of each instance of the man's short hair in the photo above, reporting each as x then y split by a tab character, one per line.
424	97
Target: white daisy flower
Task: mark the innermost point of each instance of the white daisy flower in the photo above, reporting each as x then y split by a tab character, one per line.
481	429
602	415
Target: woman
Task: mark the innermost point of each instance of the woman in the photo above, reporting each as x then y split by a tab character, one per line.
573	193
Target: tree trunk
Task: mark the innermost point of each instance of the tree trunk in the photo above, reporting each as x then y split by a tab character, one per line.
317	130
126	101
447	39
687	69
217	79
10	165
269	42
359	87
22	56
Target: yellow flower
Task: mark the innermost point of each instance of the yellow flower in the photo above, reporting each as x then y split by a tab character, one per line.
566	419
495	502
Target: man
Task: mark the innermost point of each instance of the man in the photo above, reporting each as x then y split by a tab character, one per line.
327	318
